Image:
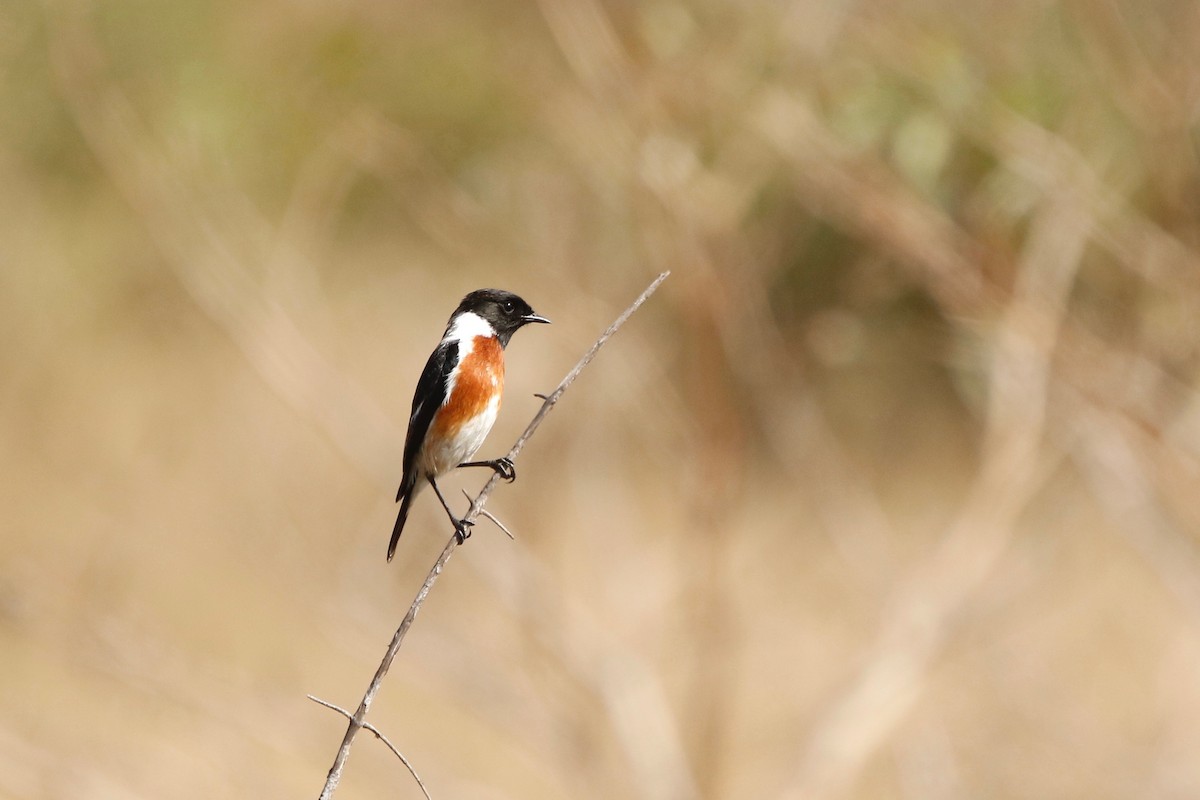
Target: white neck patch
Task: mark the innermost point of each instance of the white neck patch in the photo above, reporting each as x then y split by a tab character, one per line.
467	326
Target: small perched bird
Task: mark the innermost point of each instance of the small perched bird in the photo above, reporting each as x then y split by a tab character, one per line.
458	397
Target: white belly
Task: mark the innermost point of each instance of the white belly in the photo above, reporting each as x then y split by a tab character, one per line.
440	458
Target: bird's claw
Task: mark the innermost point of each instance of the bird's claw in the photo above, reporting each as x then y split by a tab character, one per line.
462	530
505	469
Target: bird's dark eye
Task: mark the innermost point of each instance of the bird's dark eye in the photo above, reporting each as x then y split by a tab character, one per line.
509	306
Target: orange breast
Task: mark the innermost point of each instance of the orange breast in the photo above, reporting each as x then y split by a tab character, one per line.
480	376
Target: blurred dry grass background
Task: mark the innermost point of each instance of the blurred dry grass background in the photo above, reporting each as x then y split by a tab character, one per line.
889	492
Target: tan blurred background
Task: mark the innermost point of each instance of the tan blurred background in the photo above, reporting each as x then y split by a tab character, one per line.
889	492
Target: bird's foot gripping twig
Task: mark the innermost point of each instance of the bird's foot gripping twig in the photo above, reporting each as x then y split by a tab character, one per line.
503	467
462	529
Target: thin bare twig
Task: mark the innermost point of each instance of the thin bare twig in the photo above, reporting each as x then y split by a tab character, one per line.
358	719
378	735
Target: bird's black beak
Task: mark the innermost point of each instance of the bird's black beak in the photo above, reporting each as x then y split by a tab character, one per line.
528	318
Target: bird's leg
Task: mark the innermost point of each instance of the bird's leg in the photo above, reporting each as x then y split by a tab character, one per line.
462	528
503	467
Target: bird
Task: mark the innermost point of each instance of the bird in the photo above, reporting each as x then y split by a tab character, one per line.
458	398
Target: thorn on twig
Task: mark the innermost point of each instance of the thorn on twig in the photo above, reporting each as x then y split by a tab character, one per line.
491	516
380	737
498	523
541	396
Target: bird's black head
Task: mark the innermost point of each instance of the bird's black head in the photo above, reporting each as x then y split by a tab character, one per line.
504	311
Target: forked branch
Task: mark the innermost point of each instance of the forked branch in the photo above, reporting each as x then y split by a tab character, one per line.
378	735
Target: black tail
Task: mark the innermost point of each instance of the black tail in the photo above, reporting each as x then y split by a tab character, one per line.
406	500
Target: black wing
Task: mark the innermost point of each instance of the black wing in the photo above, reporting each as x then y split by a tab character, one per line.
430	394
